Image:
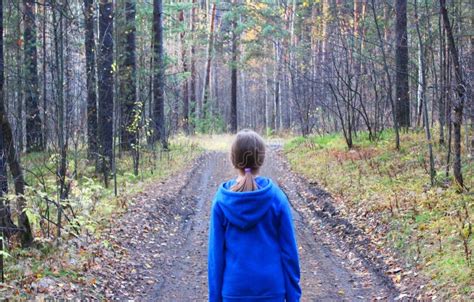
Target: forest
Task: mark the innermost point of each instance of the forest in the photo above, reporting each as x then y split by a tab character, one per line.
109	107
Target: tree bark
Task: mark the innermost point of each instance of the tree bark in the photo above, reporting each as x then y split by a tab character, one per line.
159	75
20	96
129	87
443	93
8	150
471	88
193	99
401	65
234	72
44	71
106	86
5	214
34	137
207	77
277	90
184	62
422	94
89	20
61	104
458	105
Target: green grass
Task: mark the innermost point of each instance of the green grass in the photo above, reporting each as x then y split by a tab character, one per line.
425	223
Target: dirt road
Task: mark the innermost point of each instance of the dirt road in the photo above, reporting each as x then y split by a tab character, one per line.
165	256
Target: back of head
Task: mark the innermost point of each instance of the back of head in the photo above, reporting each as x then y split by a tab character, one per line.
247	155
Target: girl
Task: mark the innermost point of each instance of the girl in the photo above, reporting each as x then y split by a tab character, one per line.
252	247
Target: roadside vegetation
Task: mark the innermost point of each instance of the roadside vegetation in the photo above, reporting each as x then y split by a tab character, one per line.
59	257
388	194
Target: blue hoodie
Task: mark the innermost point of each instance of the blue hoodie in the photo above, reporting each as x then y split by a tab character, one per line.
252	247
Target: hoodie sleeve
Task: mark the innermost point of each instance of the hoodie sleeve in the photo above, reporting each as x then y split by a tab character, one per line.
289	253
216	260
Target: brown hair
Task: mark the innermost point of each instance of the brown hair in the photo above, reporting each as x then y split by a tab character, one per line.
247	155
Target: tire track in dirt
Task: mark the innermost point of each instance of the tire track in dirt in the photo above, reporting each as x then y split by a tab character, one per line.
159	247
330	269
187	279
328	272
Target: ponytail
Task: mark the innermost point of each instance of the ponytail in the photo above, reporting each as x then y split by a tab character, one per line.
246	183
247	156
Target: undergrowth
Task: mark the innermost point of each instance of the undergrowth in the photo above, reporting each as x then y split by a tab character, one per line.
89	210
431	227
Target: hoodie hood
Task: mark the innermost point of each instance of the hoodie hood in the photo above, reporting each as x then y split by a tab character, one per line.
245	209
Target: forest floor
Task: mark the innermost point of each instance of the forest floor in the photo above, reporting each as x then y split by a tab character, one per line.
157	250
386	193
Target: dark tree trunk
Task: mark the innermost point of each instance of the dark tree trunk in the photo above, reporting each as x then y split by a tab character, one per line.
444	91
277	87
44	71
401	62
233	67
129	129
471	87
458	105
159	75
5	214
17	175
34	137
106	86
19	110
61	102
8	150
185	118
207	77
89	14
192	87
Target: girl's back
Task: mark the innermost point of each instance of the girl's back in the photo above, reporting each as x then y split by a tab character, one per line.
252	248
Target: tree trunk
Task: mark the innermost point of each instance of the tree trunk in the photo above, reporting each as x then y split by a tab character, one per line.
8	151
401	62
268	104
44	71
89	14
185	88
207	77
422	95
277	90
193	98
34	137
128	106
234	72
61	120
159	75
461	92
20	101
106	86
420	89
471	77
5	214
443	88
